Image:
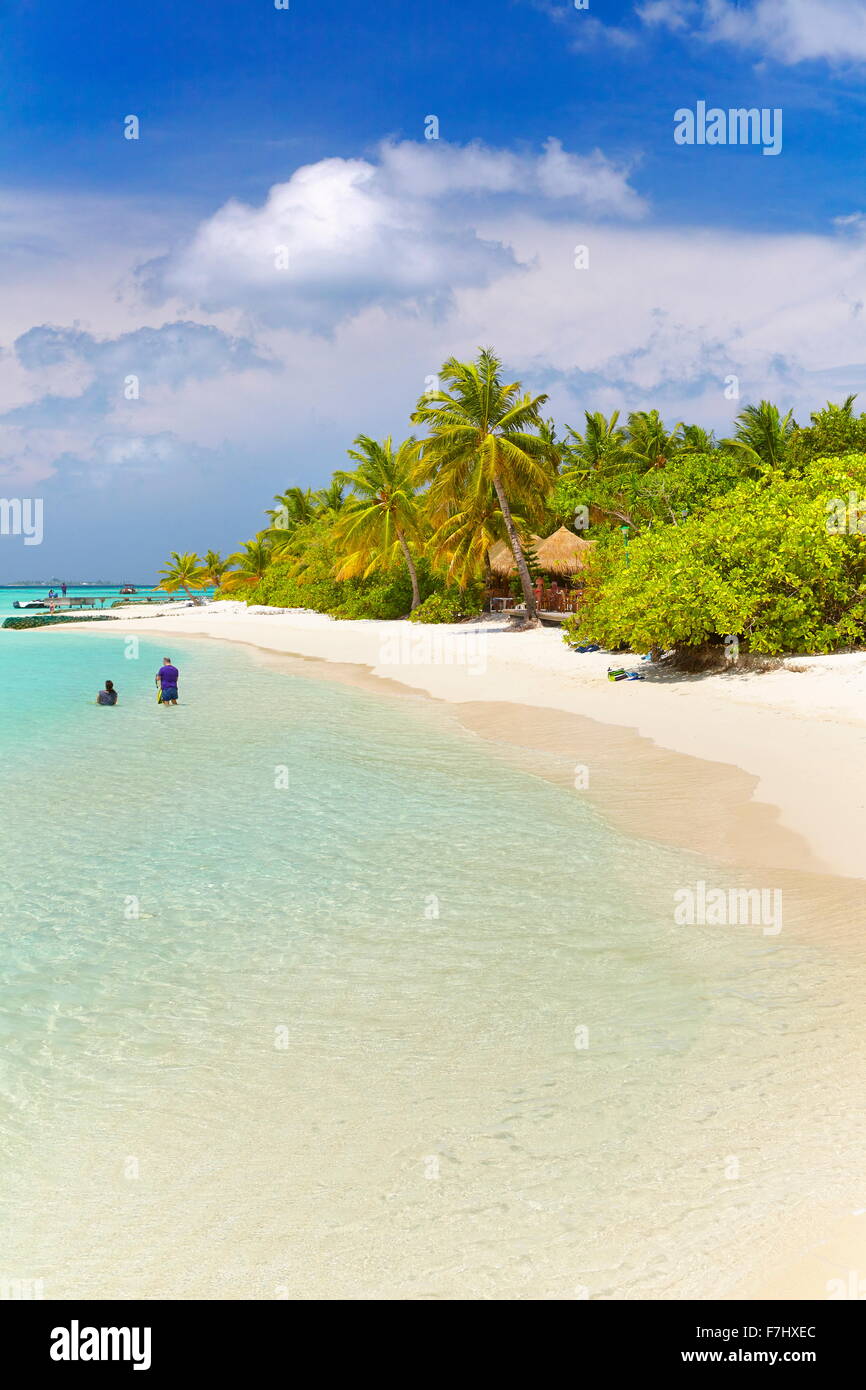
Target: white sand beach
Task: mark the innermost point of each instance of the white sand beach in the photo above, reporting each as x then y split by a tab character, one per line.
797	732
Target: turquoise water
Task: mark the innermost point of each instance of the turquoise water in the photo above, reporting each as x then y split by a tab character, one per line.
9	596
293	984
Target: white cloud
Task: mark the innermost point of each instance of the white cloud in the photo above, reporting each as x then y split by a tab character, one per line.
669	14
592	32
661	316
664	314
794	31
346	233
791	31
788	31
585	31
110	457
854	222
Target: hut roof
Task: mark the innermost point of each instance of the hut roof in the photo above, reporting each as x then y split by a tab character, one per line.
501	560
563	552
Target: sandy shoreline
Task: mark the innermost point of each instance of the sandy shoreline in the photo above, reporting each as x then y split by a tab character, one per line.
763	772
781	776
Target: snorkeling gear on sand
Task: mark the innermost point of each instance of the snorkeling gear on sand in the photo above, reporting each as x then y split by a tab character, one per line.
619	673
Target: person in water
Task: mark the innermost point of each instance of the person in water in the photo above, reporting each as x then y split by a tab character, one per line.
108	696
167	678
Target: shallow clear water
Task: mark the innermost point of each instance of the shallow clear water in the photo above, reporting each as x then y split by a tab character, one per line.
293	983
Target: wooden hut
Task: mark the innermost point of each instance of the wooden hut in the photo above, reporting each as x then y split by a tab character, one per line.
559	558
563	554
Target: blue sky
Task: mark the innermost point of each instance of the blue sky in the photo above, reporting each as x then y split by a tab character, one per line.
304	129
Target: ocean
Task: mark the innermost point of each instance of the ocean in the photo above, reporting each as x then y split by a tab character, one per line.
308	992
9	595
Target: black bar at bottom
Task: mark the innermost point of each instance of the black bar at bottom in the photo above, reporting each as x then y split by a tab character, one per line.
161	1340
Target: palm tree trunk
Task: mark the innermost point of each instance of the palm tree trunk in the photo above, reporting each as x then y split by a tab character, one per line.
189	595
413	573
519	557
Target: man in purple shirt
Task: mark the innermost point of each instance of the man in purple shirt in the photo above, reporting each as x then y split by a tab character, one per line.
166	678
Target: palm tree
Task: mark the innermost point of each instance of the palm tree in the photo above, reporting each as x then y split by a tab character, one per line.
762	434
252	561
294	507
214	567
383	514
555	447
483	433
602	440
697	440
330	498
462	539
832	413
649	439
181	572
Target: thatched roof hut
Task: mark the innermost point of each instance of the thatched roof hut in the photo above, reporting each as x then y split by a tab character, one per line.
501	559
563	553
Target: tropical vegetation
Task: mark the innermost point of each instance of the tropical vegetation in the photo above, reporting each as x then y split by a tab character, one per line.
183	571
699	541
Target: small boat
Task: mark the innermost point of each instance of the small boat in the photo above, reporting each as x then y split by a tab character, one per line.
29	603
129	589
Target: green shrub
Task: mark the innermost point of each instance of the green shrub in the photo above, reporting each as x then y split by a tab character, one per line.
760	563
623	491
448	607
572	633
286	585
834	431
387	596
280	587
